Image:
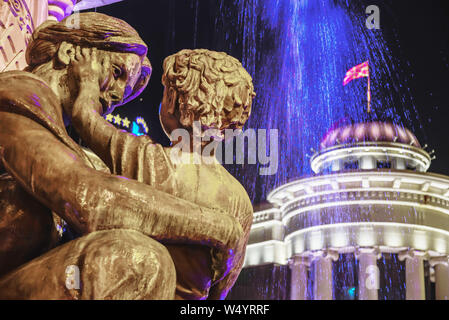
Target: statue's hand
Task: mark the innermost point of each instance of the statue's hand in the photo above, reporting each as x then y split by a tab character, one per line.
223	256
224	231
222	263
86	69
87	72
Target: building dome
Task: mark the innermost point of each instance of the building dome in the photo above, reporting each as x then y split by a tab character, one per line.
369	132
368	146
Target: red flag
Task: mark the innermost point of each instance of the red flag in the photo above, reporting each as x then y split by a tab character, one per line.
360	71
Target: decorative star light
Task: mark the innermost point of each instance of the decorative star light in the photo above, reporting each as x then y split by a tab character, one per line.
138	127
141	121
117	119
126	122
109	117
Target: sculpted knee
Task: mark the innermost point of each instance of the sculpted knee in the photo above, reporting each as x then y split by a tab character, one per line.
125	264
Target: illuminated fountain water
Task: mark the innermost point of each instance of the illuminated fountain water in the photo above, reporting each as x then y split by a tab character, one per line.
298	53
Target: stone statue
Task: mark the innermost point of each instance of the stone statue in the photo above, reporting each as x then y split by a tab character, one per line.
141	227
200	85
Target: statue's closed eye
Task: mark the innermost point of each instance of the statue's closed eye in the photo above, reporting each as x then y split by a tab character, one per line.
117	72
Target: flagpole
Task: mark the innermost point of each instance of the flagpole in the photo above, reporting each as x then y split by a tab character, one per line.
369	93
369	89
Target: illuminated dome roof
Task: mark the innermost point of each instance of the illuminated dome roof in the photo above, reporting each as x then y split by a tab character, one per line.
369	132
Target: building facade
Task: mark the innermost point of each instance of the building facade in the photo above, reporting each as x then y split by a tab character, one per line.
19	19
371	224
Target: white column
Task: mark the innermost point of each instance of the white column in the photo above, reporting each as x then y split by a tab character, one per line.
323	282
336	165
414	274
367	163
368	274
441	267
298	286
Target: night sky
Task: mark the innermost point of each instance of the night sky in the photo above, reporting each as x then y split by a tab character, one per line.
417	33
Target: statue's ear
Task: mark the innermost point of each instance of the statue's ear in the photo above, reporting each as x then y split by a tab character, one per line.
172	99
66	53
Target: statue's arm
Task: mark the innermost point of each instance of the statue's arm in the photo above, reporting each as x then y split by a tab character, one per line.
124	153
90	200
221	288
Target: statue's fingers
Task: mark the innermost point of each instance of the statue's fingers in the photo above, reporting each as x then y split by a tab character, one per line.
105	68
86	53
106	63
94	54
78	55
107	59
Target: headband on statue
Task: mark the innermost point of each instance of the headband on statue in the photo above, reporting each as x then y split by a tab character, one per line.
93	30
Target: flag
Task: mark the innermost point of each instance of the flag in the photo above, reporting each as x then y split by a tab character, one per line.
360	71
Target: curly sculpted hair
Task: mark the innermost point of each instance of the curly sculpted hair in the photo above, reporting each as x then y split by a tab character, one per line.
210	87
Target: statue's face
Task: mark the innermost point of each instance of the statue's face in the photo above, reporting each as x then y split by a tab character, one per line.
118	79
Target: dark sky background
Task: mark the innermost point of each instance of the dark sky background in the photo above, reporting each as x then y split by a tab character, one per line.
417	33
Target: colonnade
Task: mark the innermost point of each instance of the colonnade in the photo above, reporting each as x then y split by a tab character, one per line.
368	273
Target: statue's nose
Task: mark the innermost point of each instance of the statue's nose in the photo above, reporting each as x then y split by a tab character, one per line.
117	92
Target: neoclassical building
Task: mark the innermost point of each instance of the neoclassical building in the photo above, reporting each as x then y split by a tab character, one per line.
371	224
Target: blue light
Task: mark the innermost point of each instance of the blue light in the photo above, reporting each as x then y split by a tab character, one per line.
351	292
136	129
